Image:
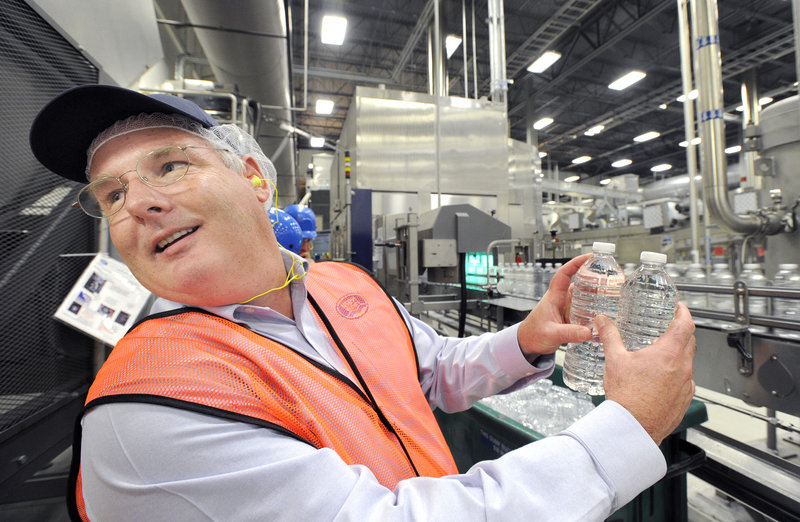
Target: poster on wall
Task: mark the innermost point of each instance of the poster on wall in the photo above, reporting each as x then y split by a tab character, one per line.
105	301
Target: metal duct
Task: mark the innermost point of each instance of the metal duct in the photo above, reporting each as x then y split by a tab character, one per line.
678	186
246	43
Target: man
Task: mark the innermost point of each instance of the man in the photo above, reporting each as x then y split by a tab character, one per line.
307	220
266	390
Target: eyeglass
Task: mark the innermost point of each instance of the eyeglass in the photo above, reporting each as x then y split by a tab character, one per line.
105	196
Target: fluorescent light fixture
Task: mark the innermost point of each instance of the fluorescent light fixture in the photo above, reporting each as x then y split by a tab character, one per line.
661	168
551	202
646	136
733	150
543	62
692	96
451	43
740	108
542	154
594	131
572	179
621	163
317	141
581	159
310	166
663	106
541	124
324	106
605	181
765	100
695	141
626	81
333	29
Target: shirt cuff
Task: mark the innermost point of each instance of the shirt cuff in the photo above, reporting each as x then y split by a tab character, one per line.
623	451
512	361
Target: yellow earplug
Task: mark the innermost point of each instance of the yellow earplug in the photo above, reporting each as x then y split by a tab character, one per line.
256	181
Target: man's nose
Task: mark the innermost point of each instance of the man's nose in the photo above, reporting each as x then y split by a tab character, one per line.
142	200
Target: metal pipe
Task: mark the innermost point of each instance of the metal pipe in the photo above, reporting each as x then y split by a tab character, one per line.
464	46
437	45
750	119
688	120
497	52
708	71
475	56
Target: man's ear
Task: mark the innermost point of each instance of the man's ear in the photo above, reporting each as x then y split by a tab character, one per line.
253	171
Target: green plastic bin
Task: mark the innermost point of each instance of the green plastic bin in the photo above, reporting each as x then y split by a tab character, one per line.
481	433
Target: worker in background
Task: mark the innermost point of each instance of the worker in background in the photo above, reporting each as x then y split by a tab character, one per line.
308	223
286	229
278	390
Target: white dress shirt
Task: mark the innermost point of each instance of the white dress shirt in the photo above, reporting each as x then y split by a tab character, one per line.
149	462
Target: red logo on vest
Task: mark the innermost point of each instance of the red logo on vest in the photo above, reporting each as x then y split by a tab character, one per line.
352	306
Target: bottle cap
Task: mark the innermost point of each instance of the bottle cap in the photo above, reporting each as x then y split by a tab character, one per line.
788	266
751	266
605	248
652	257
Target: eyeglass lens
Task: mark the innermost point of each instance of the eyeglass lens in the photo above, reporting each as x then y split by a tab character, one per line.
158	168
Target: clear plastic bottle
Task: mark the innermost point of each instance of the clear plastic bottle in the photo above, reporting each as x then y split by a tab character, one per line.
721	275
647	302
502	281
753	275
527	287
788	277
547	276
538	281
596	291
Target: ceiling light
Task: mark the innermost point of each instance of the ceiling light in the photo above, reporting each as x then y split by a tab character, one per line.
451	43
541	124
333	29
316	142
621	163
627	80
594	131
740	108
572	179
765	100
663	106
551	202
661	168
695	141
692	96
544	61
324	106
733	150
605	181
542	154
581	159
646	136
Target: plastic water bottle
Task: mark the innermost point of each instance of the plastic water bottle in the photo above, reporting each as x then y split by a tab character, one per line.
696	275
538	281
647	302
547	277
753	275
528	280
788	277
596	290
721	275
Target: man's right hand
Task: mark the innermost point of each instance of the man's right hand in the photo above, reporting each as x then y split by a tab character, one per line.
655	383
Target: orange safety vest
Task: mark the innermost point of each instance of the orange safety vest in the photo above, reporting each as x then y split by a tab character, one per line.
194	360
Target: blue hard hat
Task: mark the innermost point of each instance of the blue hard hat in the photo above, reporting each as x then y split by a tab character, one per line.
287	231
306	218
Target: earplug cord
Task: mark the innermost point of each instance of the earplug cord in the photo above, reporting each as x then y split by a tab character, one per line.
290	275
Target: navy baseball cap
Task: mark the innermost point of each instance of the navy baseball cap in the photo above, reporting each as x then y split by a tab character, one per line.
65	128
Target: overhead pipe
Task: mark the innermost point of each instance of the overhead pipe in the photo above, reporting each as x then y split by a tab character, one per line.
497	52
475	56
710	107
464	46
689	123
